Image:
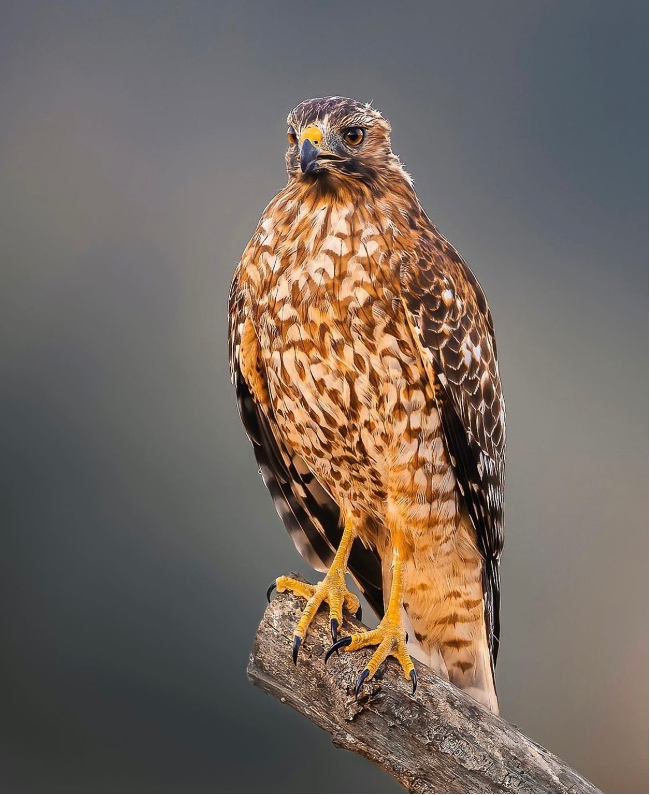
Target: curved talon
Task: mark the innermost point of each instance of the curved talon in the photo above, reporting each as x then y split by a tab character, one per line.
334	628
270	590
414	679
297	640
331	590
362	678
358	615
346	641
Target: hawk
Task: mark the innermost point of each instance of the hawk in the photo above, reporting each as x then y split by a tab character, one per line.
363	355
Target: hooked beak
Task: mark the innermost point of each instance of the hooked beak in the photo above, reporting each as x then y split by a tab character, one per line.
308	157
311	156
311	150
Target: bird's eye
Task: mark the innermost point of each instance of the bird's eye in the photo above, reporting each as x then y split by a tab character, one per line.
291	136
354	135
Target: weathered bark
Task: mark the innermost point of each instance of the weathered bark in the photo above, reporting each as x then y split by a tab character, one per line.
438	740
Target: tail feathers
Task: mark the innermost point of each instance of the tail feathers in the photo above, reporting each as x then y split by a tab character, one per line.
477	682
430	656
460	655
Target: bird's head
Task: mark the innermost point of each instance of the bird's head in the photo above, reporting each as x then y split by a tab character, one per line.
334	138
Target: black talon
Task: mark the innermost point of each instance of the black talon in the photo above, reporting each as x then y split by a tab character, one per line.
414	679
346	641
334	628
358	615
297	640
406	639
362	678
269	591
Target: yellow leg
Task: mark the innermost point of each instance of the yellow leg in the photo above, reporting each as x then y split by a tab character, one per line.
332	590
389	636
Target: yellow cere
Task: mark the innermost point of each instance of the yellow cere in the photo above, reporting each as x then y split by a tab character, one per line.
313	134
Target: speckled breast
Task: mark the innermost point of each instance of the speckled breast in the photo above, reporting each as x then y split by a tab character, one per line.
343	375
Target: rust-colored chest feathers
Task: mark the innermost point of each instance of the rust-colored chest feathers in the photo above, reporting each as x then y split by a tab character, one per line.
344	378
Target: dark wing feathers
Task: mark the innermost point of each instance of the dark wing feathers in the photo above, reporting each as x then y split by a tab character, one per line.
452	325
308	512
312	542
471	485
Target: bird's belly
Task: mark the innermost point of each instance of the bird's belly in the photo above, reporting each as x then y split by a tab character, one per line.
359	409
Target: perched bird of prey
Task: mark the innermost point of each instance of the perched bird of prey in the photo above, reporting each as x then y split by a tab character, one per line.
363	354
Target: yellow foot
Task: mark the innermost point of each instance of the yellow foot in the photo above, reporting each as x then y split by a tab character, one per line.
331	590
390	637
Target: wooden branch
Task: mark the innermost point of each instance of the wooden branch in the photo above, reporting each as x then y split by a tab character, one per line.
439	740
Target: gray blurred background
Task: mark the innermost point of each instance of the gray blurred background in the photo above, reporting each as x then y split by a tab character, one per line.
139	144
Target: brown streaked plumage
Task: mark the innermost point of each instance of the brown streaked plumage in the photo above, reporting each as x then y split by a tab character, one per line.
364	358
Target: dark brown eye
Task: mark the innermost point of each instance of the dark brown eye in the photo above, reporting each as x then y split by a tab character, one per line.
291	136
354	135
